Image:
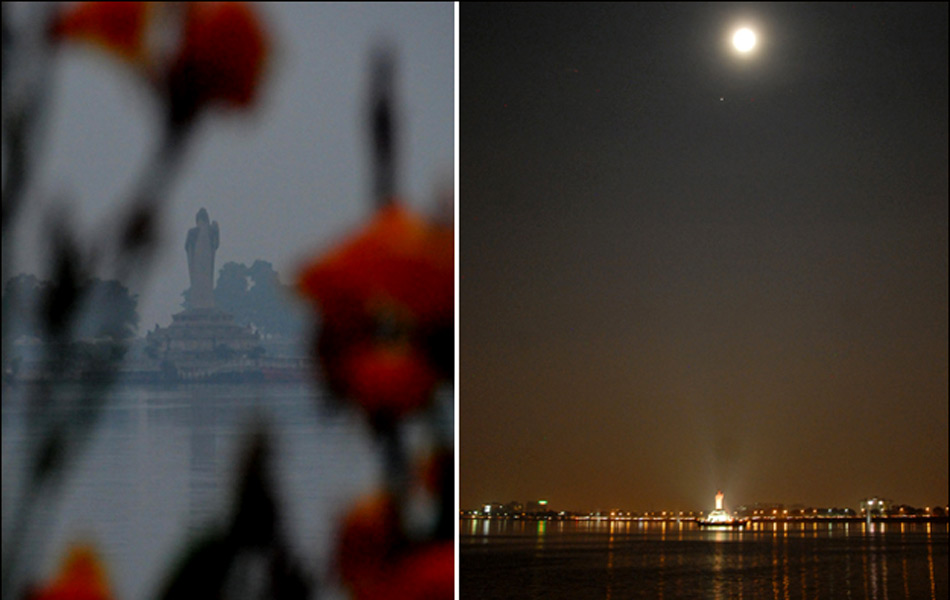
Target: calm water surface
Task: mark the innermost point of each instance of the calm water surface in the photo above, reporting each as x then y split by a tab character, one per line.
608	560
161	468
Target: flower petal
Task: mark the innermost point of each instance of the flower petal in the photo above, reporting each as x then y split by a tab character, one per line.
81	577
389	380
398	257
368	537
119	27
221	58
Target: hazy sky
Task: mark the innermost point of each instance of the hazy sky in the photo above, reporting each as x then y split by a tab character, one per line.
287	179
682	269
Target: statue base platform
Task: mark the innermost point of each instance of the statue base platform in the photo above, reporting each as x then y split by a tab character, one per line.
202	334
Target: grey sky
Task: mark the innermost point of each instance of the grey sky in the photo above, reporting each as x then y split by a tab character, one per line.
282	181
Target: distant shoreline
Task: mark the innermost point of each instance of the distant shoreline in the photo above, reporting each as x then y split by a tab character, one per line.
782	519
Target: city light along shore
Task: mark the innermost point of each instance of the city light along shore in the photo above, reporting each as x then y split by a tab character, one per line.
873	509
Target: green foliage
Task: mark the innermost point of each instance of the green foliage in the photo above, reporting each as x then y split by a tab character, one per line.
107	309
111	311
255	296
21	296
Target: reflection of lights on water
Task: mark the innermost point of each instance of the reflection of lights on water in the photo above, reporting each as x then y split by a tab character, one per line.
930	562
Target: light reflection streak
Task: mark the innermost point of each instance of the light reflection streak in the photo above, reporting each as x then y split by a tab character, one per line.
718	592
742	572
785	577
930	563
881	557
904	562
847	572
785	580
864	573
610	561
775	586
662	585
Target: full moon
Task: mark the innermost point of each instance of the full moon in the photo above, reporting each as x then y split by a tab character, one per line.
744	40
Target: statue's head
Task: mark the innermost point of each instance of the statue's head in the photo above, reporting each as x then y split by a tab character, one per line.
202	217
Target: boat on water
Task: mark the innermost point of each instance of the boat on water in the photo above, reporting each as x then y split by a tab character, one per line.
719	517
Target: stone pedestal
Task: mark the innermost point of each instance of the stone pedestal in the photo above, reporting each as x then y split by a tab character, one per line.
202	334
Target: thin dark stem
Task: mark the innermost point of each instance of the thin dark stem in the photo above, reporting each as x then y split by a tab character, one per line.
26	74
59	434
139	232
395	465
383	130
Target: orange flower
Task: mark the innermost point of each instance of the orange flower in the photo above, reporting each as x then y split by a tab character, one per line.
387	295
81	577
218	54
389	380
369	536
119	27
427	573
398	258
436	471
220	61
376	562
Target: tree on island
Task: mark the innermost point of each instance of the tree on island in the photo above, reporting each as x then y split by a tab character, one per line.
109	310
256	298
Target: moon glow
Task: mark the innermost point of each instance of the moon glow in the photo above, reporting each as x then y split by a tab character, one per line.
744	40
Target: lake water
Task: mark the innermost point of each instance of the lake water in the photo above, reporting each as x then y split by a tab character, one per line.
161	467
611	560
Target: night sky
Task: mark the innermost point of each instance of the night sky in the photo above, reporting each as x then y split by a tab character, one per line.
683	269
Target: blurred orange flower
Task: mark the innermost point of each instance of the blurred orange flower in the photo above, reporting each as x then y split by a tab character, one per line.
220	60
81	577
368	537
214	52
389	380
433	470
399	257
426	574
375	561
384	294
119	27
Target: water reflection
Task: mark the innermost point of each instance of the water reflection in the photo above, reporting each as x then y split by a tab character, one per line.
930	563
161	469
203	458
589	559
717	567
610	561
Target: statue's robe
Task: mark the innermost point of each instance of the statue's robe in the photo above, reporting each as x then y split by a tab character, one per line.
200	246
